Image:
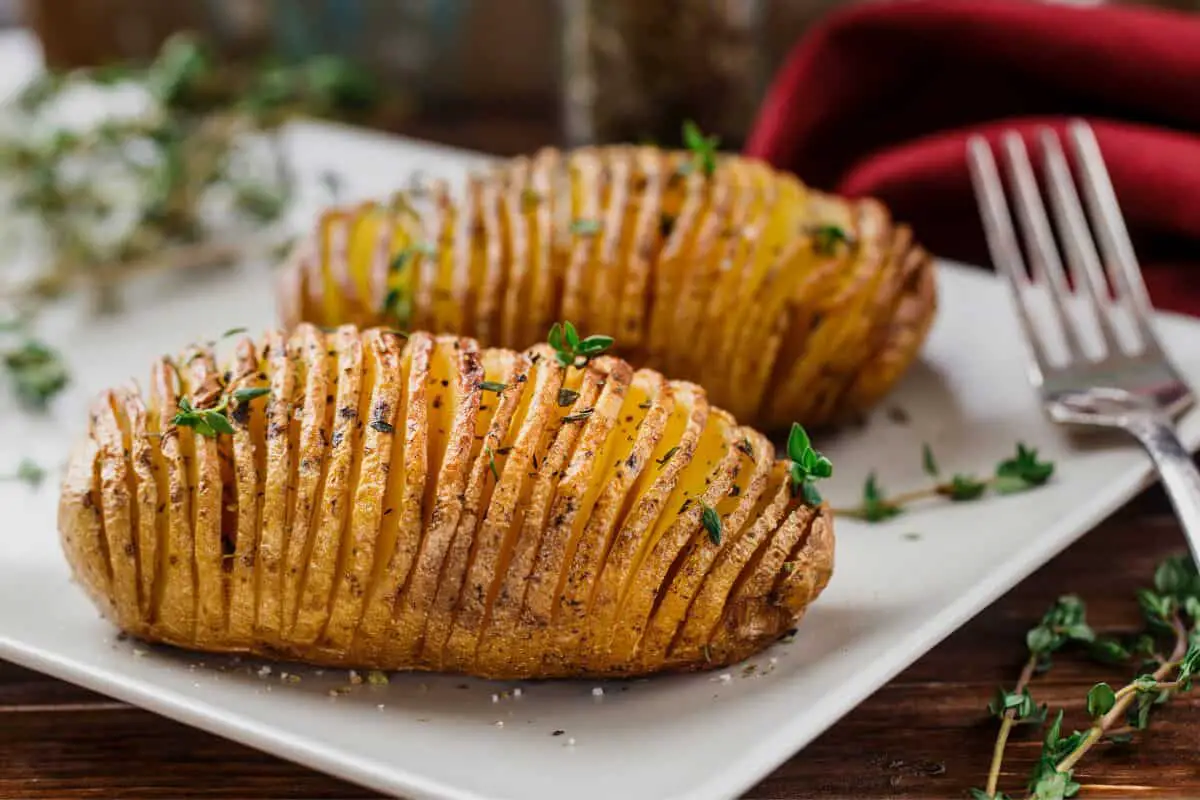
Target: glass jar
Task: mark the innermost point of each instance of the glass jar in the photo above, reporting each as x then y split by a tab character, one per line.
633	70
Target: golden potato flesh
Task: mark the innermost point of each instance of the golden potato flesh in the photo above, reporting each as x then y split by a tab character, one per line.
418	502
784	303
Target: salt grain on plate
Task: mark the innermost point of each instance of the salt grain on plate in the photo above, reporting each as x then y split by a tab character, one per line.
138	652
264	671
517	692
571	742
499	723
355	678
379	707
725	677
598	691
495	698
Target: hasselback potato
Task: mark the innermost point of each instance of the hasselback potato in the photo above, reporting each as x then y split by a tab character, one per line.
370	499
786	304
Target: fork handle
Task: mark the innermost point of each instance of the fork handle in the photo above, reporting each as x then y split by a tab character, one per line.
1174	463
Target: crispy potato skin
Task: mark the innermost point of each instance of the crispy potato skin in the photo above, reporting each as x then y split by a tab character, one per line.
420	503
730	281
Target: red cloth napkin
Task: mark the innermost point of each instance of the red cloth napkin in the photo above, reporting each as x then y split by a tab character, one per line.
880	98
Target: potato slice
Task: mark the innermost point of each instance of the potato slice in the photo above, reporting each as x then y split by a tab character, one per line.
489	456
136	434
204	476
248	419
627	455
688	412
281	361
455	377
340	441
177	599
506	511
81	527
381	459
753	466
312	419
116	503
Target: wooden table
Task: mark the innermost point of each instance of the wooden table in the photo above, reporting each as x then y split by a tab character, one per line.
924	735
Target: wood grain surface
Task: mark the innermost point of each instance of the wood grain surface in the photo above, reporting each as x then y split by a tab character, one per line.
924	735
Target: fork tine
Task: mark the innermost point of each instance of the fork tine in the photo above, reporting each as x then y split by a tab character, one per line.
1106	217
1072	226
1039	240
1002	241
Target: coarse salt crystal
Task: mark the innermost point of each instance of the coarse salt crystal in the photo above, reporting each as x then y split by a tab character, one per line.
571	742
264	671
380	707
355	678
598	691
517	692
725	677
499	723
495	698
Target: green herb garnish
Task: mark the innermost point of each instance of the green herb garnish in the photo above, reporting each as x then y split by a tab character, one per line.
703	148
248	393
807	465
205	421
233	332
826	238
37	373
712	522
1172	614
566	397
578	416
585	227
493	386
28	472
492	462
1020	473
570	350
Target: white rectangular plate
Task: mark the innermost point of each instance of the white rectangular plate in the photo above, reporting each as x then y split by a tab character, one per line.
892	598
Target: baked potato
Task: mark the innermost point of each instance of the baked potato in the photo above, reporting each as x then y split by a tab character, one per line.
786	304
375	500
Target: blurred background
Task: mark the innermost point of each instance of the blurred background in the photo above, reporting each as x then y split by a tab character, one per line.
498	75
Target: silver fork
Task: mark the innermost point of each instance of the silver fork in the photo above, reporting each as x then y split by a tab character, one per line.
1126	381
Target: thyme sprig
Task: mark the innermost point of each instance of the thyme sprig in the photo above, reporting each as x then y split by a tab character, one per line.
212	421
1172	614
28	472
1018	473
703	148
36	372
572	351
807	466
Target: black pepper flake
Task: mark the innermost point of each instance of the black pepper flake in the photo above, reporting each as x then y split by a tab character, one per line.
559	732
685	505
503	451
437	401
745	446
735	490
346	412
382	427
645	405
